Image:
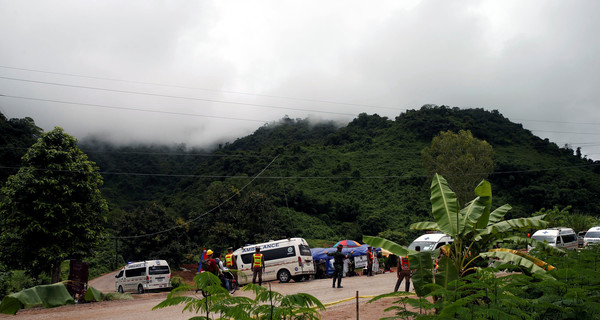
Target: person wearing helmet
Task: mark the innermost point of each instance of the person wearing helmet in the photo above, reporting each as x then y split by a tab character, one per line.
212	263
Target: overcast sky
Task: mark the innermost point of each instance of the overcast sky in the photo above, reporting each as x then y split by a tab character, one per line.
205	72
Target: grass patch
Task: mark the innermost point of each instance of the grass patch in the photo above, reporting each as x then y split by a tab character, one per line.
117	296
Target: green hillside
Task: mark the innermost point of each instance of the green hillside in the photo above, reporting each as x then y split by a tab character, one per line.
321	181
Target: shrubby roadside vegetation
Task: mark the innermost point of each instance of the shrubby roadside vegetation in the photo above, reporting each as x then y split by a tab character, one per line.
473	278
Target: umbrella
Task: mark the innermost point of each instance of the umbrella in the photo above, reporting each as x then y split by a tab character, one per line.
348	243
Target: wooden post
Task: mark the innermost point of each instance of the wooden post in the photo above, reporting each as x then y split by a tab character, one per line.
356	304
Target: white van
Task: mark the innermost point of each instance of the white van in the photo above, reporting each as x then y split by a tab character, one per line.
284	260
145	275
431	241
564	238
592	236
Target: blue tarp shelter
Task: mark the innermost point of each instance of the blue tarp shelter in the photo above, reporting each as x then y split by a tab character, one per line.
319	254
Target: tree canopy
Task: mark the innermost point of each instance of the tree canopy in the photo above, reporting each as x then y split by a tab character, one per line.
52	208
463	159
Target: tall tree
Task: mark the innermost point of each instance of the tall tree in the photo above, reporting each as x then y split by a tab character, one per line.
16	135
463	159
52	208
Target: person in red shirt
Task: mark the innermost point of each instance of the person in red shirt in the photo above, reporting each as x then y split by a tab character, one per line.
212	263
370	258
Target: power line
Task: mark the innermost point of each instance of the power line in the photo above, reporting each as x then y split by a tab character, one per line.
175	97
203	89
590	133
301	177
205	213
237	92
554	121
134	109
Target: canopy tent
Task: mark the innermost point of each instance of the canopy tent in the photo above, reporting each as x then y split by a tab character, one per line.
348	244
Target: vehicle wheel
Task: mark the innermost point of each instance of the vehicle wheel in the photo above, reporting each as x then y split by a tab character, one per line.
140	289
284	276
120	290
232	287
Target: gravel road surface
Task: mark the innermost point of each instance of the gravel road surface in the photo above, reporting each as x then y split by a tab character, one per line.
141	306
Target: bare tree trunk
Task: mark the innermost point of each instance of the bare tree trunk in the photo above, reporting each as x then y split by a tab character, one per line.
56	271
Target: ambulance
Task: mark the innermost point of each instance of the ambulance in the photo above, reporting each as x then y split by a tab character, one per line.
431	241
284	260
143	276
592	236
564	238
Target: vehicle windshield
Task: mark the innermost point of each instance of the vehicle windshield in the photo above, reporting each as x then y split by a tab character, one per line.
549	239
592	234
425	245
158	270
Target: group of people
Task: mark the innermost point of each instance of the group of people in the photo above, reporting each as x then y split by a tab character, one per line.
404	271
215	265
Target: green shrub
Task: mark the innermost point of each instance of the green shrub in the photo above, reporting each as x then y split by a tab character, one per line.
15	281
177	281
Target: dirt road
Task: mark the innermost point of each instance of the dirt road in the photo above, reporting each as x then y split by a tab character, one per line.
141	306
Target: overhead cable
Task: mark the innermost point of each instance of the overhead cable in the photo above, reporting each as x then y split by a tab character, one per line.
203	214
175	97
204	89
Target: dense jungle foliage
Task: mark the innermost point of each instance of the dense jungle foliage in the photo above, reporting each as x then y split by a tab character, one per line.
319	181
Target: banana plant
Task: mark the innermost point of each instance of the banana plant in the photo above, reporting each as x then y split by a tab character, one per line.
476	229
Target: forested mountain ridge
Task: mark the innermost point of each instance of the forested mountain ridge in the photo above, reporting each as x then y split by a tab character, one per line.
325	181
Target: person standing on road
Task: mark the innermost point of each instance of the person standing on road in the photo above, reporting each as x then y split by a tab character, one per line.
230	263
258	266
404	272
211	264
338	264
369	261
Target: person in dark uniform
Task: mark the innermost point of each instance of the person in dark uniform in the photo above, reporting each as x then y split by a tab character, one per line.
338	265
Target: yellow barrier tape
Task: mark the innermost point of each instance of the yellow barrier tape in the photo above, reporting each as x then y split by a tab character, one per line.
329	304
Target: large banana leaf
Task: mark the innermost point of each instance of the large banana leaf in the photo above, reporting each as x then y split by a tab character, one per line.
446	272
510	226
506	255
391	246
444	206
426	225
422	265
470	214
536	261
498	214
484	191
